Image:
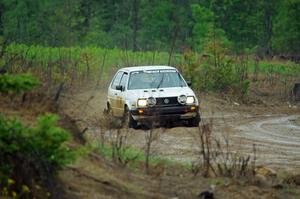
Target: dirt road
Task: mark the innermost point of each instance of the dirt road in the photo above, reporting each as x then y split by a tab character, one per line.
273	130
277	138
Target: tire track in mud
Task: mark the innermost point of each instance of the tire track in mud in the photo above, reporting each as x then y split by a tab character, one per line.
277	140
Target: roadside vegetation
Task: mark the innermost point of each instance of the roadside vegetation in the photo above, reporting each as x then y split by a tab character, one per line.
30	156
214	70
51	49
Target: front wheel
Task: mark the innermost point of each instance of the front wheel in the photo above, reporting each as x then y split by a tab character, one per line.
128	120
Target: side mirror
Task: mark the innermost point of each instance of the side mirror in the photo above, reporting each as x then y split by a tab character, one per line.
119	88
189	82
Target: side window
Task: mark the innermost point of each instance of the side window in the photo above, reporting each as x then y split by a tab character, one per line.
116	80
124	80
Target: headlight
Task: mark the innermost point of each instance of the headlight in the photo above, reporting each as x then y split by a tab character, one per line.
190	100
151	101
182	99
142	102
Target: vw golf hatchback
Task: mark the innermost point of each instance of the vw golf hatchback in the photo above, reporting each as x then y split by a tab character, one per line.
144	94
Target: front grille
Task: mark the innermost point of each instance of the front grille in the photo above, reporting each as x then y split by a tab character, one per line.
167	101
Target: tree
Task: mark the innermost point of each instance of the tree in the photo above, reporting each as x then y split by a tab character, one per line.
240	21
135	23
156	24
165	25
268	13
203	24
287	28
1	13
205	28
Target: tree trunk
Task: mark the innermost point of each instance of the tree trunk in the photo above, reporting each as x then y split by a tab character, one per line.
174	39
268	27
135	23
1	22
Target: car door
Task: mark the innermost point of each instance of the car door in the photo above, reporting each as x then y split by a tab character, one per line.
114	94
122	95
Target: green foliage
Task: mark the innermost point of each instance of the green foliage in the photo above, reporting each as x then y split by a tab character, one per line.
241	20
158	26
125	155
273	67
287	28
32	153
48	140
217	71
17	83
225	76
74	62
205	29
265	25
204	23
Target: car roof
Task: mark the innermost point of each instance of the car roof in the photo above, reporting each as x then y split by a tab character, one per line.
155	67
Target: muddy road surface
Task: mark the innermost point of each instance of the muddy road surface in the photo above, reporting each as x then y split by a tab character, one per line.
274	131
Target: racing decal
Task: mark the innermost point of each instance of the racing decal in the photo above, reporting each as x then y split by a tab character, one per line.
155	71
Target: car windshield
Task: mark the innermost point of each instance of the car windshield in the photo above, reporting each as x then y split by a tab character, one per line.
155	79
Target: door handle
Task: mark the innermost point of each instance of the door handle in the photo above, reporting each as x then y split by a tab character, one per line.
116	93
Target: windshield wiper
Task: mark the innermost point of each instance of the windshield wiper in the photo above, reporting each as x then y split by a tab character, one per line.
161	81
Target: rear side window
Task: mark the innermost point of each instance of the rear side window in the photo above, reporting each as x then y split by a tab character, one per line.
116	80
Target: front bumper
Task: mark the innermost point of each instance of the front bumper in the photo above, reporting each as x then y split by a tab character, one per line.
165	113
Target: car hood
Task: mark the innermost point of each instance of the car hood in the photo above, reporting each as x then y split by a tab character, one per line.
160	92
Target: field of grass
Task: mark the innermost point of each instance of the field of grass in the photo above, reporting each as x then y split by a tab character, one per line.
93	58
76	62
77	65
275	67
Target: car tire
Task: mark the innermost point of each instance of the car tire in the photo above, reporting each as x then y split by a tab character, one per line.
128	120
194	122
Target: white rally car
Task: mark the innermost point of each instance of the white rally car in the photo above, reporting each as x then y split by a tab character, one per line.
144	94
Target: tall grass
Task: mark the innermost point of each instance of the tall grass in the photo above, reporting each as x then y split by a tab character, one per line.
77	65
75	62
275	66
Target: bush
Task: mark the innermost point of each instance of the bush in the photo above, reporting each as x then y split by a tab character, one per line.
17	83
32	155
215	70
